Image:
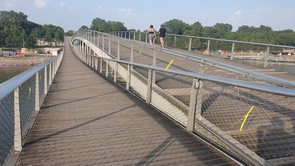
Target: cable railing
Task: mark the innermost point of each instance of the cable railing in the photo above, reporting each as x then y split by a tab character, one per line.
224	67
247	116
261	54
21	98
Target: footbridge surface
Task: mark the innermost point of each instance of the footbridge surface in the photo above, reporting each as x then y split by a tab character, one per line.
118	101
88	120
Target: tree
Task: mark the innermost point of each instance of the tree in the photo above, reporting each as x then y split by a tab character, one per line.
17	31
176	26
109	26
83	27
70	33
196	29
222	29
285	37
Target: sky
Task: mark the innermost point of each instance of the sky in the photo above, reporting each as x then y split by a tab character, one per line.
140	14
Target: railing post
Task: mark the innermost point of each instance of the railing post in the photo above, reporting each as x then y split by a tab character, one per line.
134	36
192	106
125	35
94	38
139	39
50	75
266	57
132	52
103	42
17	124
116	63
129	35
208	47
190	44
45	81
174	45
149	87
146	37
199	98
107	68
37	97
109	44
232	52
100	66
98	39
128	78
96	62
195	104
154	64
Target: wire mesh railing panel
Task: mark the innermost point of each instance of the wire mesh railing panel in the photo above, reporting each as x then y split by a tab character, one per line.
6	126
232	117
261	121
142	55
27	100
176	85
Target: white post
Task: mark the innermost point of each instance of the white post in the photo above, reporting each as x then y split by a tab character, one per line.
154	64
37	97
266	57
190	44
17	124
45	81
128	77
232	52
149	87
192	107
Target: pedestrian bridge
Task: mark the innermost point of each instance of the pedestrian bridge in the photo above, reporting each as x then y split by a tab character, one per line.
112	100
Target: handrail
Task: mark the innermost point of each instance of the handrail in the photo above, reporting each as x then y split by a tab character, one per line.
35	83
245	84
195	100
216	39
255	86
253	74
9	85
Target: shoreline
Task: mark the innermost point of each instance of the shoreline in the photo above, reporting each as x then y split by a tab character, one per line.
22	61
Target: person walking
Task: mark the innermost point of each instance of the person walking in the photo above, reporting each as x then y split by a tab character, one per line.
152	34
162	35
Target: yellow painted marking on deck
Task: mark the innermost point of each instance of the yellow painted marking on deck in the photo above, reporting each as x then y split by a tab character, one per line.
168	66
245	118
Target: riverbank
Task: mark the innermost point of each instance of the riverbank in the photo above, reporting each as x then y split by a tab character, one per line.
30	60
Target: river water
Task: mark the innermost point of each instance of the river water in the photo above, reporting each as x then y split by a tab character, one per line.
7	72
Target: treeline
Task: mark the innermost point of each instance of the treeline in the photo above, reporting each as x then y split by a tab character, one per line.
262	34
17	31
102	25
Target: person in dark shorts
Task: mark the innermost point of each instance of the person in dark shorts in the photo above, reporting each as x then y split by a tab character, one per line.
162	35
152	34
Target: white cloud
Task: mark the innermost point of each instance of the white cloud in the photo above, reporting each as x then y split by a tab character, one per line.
40	3
127	12
71	8
61	4
99	7
10	3
238	13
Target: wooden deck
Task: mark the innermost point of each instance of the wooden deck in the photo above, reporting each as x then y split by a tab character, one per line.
88	120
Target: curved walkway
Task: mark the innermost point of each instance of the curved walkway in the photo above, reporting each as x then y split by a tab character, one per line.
88	120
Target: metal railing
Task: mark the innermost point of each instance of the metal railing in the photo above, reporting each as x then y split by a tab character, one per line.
248	116
21	98
222	66
261	54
